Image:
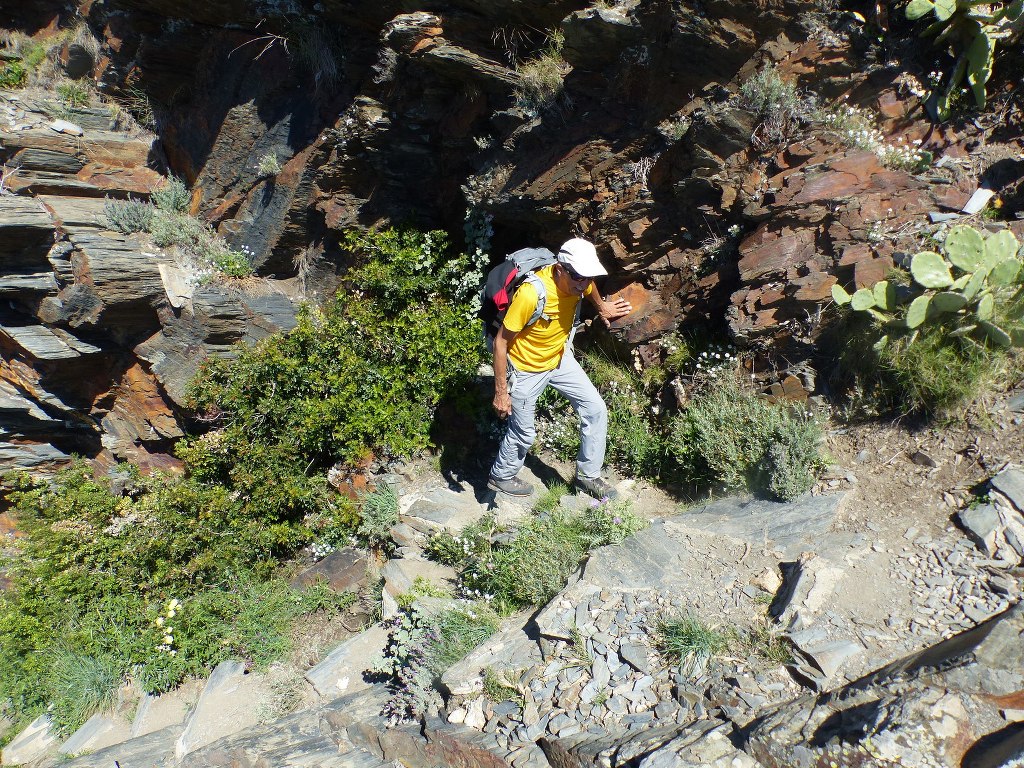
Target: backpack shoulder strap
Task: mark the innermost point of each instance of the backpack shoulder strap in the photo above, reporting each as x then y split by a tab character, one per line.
542	298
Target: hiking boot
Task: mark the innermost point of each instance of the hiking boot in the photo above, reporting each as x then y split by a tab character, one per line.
597	487
513	486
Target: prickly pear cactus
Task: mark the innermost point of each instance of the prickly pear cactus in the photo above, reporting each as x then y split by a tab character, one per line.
974	289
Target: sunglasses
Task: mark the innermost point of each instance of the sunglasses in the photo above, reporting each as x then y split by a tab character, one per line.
573	275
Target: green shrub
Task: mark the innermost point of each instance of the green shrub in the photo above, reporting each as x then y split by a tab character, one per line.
128	216
364	374
737	440
766	94
172	197
529	564
379	513
421	646
13	75
944	331
160	584
73	94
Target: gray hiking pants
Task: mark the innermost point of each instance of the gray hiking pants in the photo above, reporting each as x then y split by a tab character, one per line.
524	388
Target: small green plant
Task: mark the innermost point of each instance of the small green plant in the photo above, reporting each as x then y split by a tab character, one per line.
765	642
172	197
73	94
767	94
541	78
530	566
498	688
128	216
268	166
551	497
726	437
602	696
974	29
690	642
379	514
85	685
856	127
420	588
421	647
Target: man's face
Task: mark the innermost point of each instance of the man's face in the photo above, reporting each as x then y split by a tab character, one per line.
571	281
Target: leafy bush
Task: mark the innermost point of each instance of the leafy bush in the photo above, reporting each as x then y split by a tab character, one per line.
422	645
162	583
736	440
13	75
128	216
364	374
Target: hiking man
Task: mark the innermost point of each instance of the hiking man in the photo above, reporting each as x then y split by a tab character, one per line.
529	358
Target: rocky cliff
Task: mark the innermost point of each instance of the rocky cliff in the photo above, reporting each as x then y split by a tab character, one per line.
621	121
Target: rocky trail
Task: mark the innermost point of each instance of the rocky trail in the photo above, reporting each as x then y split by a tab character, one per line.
882	596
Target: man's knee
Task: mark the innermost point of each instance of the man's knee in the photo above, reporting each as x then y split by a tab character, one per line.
594	411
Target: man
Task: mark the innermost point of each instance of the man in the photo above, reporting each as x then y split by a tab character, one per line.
529	358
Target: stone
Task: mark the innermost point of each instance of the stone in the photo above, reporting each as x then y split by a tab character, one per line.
1010	483
97	732
343	570
32	743
982	525
64	126
807	585
636	656
342	670
509	649
226	706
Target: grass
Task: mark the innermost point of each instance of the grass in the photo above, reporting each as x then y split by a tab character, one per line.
690	642
498	688
542	77
548	501
85	684
268	165
73	94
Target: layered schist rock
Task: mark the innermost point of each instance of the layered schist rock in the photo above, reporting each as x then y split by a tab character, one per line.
88	308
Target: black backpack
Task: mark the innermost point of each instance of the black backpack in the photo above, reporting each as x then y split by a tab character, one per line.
504	280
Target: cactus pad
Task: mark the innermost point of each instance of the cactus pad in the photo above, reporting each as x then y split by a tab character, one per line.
965	248
863	300
1000	246
986	307
885	295
996	334
918	311
839	295
930	270
948	301
1005	272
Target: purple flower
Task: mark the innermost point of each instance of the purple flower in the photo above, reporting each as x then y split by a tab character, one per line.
617	520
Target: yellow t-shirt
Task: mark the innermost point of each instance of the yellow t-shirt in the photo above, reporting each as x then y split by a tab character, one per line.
539	347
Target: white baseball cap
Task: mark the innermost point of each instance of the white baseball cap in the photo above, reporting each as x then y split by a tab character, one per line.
581	257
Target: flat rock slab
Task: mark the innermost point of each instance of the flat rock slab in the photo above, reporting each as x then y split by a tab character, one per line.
31	744
343	570
442	508
229	704
156	713
341	671
153	750
41	343
1010	483
791	526
400	575
99	731
75	213
302	740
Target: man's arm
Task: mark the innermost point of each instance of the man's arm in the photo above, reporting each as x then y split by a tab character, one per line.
608	310
502	398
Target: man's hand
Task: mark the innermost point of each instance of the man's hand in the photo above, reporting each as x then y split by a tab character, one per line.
613	310
503	404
